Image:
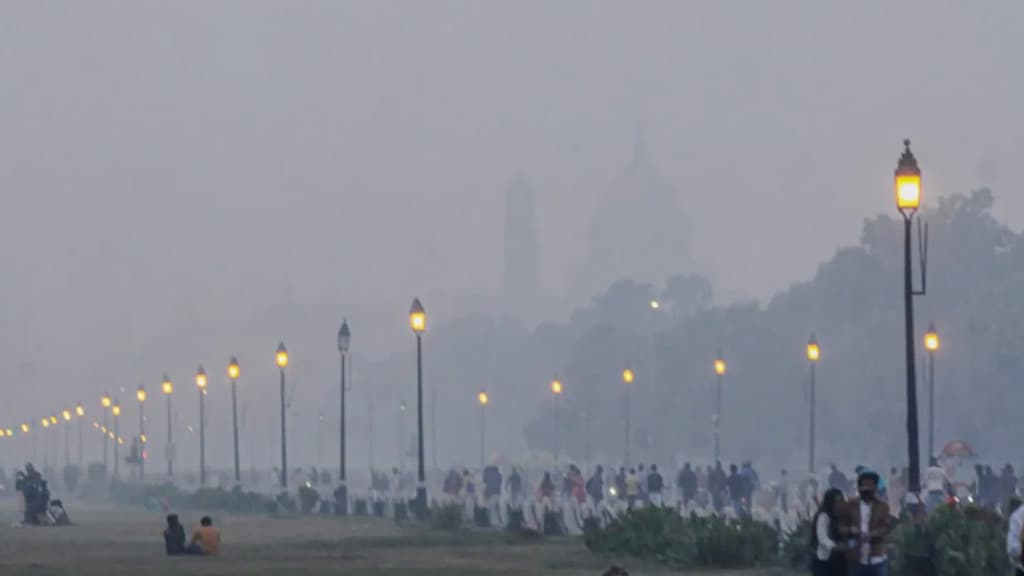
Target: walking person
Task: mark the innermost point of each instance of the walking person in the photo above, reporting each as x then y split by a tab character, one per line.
829	559
1014	535
655	484
868	524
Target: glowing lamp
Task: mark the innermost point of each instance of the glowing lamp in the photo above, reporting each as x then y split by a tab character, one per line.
556	387
482	398
141	394
813	351
627	376
720	366
167	386
417	317
201	378
234	370
931	339
116	409
282	356
908	182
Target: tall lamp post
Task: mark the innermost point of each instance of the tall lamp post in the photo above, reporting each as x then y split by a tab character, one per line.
281	358
483	399
201	382
418	323
80	412
66	415
140	394
627	379
341	500
813	354
46	444
908	200
105	403
931	344
556	391
116	411
234	371
167	387
720	369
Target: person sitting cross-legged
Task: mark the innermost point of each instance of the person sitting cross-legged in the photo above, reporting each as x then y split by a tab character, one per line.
205	539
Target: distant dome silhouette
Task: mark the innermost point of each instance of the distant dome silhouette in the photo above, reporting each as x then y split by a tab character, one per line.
638	230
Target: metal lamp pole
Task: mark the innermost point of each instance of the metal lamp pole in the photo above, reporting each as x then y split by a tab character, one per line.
341	504
418	323
908	200
201	382
720	369
234	371
813	354
627	379
282	362
931	344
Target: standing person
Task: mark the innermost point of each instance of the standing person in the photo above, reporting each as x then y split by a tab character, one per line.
641	476
736	486
687	484
868	523
1013	537
515	488
825	539
936	485
897	491
547	488
595	486
620	482
655	484
716	485
632	488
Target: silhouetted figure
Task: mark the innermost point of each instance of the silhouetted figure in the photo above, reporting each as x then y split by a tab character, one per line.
595	485
174	536
686	482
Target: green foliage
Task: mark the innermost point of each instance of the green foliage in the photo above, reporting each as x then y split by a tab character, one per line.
663	535
951	542
796	546
234	500
447	517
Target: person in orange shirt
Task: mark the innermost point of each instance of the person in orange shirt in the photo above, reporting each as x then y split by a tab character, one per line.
205	539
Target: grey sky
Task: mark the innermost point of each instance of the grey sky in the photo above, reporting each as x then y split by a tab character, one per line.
174	164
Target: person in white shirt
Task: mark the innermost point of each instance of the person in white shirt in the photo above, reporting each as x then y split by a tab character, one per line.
828	557
936	485
1013	536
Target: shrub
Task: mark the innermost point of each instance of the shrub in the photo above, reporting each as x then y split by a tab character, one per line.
447	517
662	534
951	542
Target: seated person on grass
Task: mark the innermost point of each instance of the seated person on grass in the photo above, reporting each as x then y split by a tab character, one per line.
206	538
174	536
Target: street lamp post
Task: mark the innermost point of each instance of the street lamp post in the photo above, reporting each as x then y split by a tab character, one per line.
140	394
556	391
281	357
627	379
234	371
720	369
46	445
66	414
80	412
483	399
341	500
116	411
931	344
201	382
168	389
813	354
105	403
418	323
908	200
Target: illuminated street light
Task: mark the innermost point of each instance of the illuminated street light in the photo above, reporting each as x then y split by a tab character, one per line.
483	399
140	395
201	382
234	371
720	369
115	409
418	323
282	362
813	355
627	379
908	199
932	345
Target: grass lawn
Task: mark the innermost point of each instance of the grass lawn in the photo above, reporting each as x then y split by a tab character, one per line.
110	542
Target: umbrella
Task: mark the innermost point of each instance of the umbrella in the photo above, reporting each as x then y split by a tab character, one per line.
958	449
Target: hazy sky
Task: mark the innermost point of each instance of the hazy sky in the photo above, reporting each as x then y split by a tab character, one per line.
170	164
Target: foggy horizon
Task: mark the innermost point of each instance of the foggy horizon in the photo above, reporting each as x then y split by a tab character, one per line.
189	181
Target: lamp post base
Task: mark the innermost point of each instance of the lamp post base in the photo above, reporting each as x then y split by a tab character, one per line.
341	500
420	503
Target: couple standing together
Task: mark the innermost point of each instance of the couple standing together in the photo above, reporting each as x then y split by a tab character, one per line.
851	537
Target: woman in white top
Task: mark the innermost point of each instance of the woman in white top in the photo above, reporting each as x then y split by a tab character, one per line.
828	557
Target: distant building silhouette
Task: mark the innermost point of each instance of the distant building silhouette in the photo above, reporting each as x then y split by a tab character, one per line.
521	279
638	230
